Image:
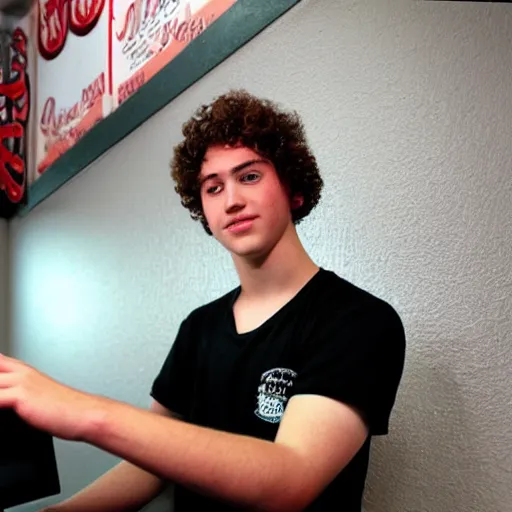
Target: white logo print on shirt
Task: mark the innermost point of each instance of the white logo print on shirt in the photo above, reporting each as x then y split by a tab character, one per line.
272	393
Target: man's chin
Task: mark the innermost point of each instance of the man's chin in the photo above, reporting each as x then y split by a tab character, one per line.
250	253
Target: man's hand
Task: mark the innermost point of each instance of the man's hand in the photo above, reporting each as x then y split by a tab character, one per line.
44	403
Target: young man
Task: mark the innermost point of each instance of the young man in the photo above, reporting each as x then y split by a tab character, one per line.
270	395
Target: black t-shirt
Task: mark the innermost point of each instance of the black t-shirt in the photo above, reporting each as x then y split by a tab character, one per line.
332	339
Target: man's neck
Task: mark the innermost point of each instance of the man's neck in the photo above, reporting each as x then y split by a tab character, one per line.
284	271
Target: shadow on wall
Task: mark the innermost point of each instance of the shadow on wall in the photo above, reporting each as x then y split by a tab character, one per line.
432	460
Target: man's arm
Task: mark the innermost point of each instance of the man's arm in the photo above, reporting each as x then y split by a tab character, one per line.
125	487
316	439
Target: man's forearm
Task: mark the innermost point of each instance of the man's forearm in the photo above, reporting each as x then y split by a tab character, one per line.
251	472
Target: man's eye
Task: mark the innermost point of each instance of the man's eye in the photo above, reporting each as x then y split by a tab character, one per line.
213	189
251	176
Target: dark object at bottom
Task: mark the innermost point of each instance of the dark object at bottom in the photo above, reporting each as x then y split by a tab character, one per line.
18	8
28	468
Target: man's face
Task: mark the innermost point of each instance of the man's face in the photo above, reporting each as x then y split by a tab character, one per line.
245	205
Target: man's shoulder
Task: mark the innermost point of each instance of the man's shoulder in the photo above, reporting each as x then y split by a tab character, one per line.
342	290
341	298
352	319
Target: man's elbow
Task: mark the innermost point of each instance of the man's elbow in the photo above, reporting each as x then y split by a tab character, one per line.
293	493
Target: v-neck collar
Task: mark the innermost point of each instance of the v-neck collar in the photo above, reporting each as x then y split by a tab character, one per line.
275	316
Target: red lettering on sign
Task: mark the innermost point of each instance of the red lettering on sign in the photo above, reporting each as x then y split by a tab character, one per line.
136	16
131	86
14	88
57	125
84	14
57	17
188	29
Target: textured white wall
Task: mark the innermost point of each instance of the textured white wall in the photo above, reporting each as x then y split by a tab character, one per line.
4	290
408	106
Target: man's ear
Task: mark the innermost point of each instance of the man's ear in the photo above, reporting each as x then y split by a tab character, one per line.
297	201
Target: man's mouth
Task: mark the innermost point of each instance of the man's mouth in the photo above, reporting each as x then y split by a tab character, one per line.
240	223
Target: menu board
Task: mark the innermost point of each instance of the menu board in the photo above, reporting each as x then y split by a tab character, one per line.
147	35
73	87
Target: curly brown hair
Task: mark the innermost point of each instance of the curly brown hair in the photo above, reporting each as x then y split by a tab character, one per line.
238	117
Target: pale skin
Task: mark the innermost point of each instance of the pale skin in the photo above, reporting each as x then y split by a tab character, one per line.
317	436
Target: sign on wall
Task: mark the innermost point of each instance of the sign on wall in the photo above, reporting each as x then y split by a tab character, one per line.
72	74
148	34
16	71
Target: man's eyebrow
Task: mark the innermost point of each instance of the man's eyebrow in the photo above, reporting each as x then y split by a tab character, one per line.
237	168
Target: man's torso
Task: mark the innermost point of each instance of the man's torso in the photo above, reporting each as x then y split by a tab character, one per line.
241	383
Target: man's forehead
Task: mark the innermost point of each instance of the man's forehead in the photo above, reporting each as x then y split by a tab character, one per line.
223	158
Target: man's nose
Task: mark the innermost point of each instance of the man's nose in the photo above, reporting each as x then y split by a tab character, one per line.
234	199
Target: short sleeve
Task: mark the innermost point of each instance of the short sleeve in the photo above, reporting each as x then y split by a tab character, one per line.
171	387
357	359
